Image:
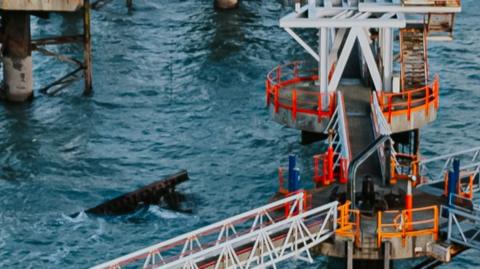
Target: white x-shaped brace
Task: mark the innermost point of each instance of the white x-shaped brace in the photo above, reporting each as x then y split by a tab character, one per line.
359	34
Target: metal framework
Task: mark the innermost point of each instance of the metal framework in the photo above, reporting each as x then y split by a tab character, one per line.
82	67
340	140
433	170
463	226
257	238
353	20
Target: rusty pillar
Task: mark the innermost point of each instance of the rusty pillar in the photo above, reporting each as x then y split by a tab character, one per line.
129	3
226	4
17	57
87	49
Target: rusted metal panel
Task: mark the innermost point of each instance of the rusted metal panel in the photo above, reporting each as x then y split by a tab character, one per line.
154	193
41	5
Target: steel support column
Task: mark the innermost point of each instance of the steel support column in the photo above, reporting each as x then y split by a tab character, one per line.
87	47
17	57
323	66
387	58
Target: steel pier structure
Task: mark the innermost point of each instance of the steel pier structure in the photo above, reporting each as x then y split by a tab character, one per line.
376	201
17	45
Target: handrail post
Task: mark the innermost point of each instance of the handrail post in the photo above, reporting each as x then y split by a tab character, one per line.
379	228
435	222
437	89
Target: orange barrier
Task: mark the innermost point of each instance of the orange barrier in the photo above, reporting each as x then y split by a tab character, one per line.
328	173
285	77
404	166
407	223
408	101
468	194
349	223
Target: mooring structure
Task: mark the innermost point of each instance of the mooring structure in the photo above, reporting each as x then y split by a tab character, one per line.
18	45
375	199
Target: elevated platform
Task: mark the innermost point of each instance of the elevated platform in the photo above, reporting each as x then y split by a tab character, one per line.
41	5
295	100
411	109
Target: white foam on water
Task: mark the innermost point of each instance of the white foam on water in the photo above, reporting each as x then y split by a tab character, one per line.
165	213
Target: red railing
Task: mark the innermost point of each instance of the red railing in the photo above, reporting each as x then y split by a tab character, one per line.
409	101
288	77
328	173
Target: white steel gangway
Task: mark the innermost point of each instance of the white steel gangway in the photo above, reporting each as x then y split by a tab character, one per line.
463	217
258	238
433	170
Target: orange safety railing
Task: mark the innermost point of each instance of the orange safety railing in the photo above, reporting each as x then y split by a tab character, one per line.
464	189
328	173
407	223
286	77
402	166
409	101
349	222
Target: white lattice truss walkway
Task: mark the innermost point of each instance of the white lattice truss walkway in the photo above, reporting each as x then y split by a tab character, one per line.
259	238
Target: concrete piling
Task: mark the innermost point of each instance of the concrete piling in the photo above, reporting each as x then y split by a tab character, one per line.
87	49
17	57
226	4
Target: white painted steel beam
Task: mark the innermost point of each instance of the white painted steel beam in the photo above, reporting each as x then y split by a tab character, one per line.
341	23
303	44
387	58
312	9
323	68
302	231
342	60
370	59
337	43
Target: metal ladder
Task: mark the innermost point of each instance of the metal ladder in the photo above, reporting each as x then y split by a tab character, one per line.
413	58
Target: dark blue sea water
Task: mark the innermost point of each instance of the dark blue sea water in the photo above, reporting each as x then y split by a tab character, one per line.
177	85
